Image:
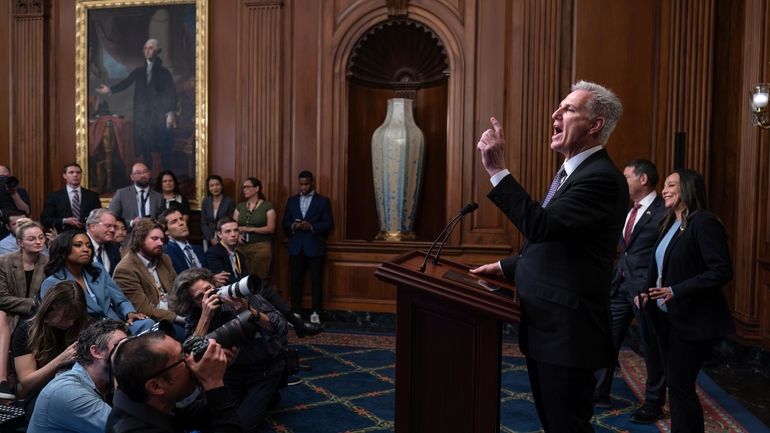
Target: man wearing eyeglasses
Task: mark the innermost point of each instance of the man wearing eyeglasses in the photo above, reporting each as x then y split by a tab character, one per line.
76	401
100	227
137	200
153	374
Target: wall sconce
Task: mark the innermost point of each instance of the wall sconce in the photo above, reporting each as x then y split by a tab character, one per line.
760	97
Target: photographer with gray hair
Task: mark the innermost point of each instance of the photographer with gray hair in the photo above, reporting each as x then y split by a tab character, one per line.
259	368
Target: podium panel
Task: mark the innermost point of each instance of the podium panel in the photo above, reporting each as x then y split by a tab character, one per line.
448	345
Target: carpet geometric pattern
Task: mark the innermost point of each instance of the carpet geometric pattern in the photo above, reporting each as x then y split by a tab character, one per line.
351	389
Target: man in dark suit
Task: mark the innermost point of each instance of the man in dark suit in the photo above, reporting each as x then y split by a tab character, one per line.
100	227
307	220
225	259
565	266
137	201
183	254
154	107
636	242
68	208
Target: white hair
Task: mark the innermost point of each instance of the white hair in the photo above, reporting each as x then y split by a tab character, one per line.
603	103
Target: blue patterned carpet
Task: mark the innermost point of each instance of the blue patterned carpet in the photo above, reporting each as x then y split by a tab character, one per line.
351	389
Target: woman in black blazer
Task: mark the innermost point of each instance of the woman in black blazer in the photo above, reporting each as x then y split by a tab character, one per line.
686	309
213	207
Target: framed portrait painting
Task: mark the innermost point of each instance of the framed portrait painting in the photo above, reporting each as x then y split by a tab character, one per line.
141	90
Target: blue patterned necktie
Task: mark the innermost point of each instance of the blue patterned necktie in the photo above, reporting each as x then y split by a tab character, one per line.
554	185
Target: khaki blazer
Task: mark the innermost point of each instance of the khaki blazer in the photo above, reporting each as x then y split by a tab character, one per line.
16	299
136	282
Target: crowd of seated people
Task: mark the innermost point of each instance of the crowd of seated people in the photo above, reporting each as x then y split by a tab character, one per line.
71	291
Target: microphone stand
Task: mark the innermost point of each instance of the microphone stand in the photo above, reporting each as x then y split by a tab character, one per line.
470	207
466	210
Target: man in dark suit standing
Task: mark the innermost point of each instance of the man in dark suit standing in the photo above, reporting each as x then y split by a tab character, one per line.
138	200
307	220
68	208
154	107
639	235
565	266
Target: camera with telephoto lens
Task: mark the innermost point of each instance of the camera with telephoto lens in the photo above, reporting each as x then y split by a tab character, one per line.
8	182
243	288
232	334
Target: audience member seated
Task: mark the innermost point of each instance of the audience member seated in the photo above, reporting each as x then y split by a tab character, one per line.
225	257
71	259
146	276
167	184
101	227
76	401
121	234
214	207
20	276
258	369
45	344
10	221
183	254
153	374
256	223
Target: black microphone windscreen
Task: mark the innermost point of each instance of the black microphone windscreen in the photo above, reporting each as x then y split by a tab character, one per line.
470	207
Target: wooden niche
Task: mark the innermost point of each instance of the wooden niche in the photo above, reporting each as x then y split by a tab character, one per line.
398	58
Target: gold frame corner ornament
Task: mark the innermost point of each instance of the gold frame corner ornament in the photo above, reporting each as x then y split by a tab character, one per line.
82	7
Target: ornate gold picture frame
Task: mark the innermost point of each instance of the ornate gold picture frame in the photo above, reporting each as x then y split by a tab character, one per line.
141	92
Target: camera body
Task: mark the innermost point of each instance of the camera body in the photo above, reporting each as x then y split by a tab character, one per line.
234	333
8	183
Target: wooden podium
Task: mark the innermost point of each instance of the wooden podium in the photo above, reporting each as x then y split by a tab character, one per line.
448	345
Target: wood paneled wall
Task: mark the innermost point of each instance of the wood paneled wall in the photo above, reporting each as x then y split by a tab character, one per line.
280	103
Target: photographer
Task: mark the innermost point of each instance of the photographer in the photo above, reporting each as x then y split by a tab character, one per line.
11	196
153	374
258	369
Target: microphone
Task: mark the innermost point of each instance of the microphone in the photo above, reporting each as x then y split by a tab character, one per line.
470	207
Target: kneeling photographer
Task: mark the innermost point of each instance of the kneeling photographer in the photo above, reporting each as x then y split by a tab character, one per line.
258	370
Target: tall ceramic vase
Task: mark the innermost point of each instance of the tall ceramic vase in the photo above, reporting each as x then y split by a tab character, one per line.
398	150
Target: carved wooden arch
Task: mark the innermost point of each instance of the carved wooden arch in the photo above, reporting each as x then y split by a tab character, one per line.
353	26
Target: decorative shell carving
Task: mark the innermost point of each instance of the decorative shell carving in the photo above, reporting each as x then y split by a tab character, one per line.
400	54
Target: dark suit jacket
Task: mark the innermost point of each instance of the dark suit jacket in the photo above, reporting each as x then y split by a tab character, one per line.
178	257
151	102
565	266
696	266
136	282
312	243
124	205
57	207
113	255
16	298
218	260
209	220
634	260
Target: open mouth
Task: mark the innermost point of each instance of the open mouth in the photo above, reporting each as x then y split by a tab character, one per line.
557	131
